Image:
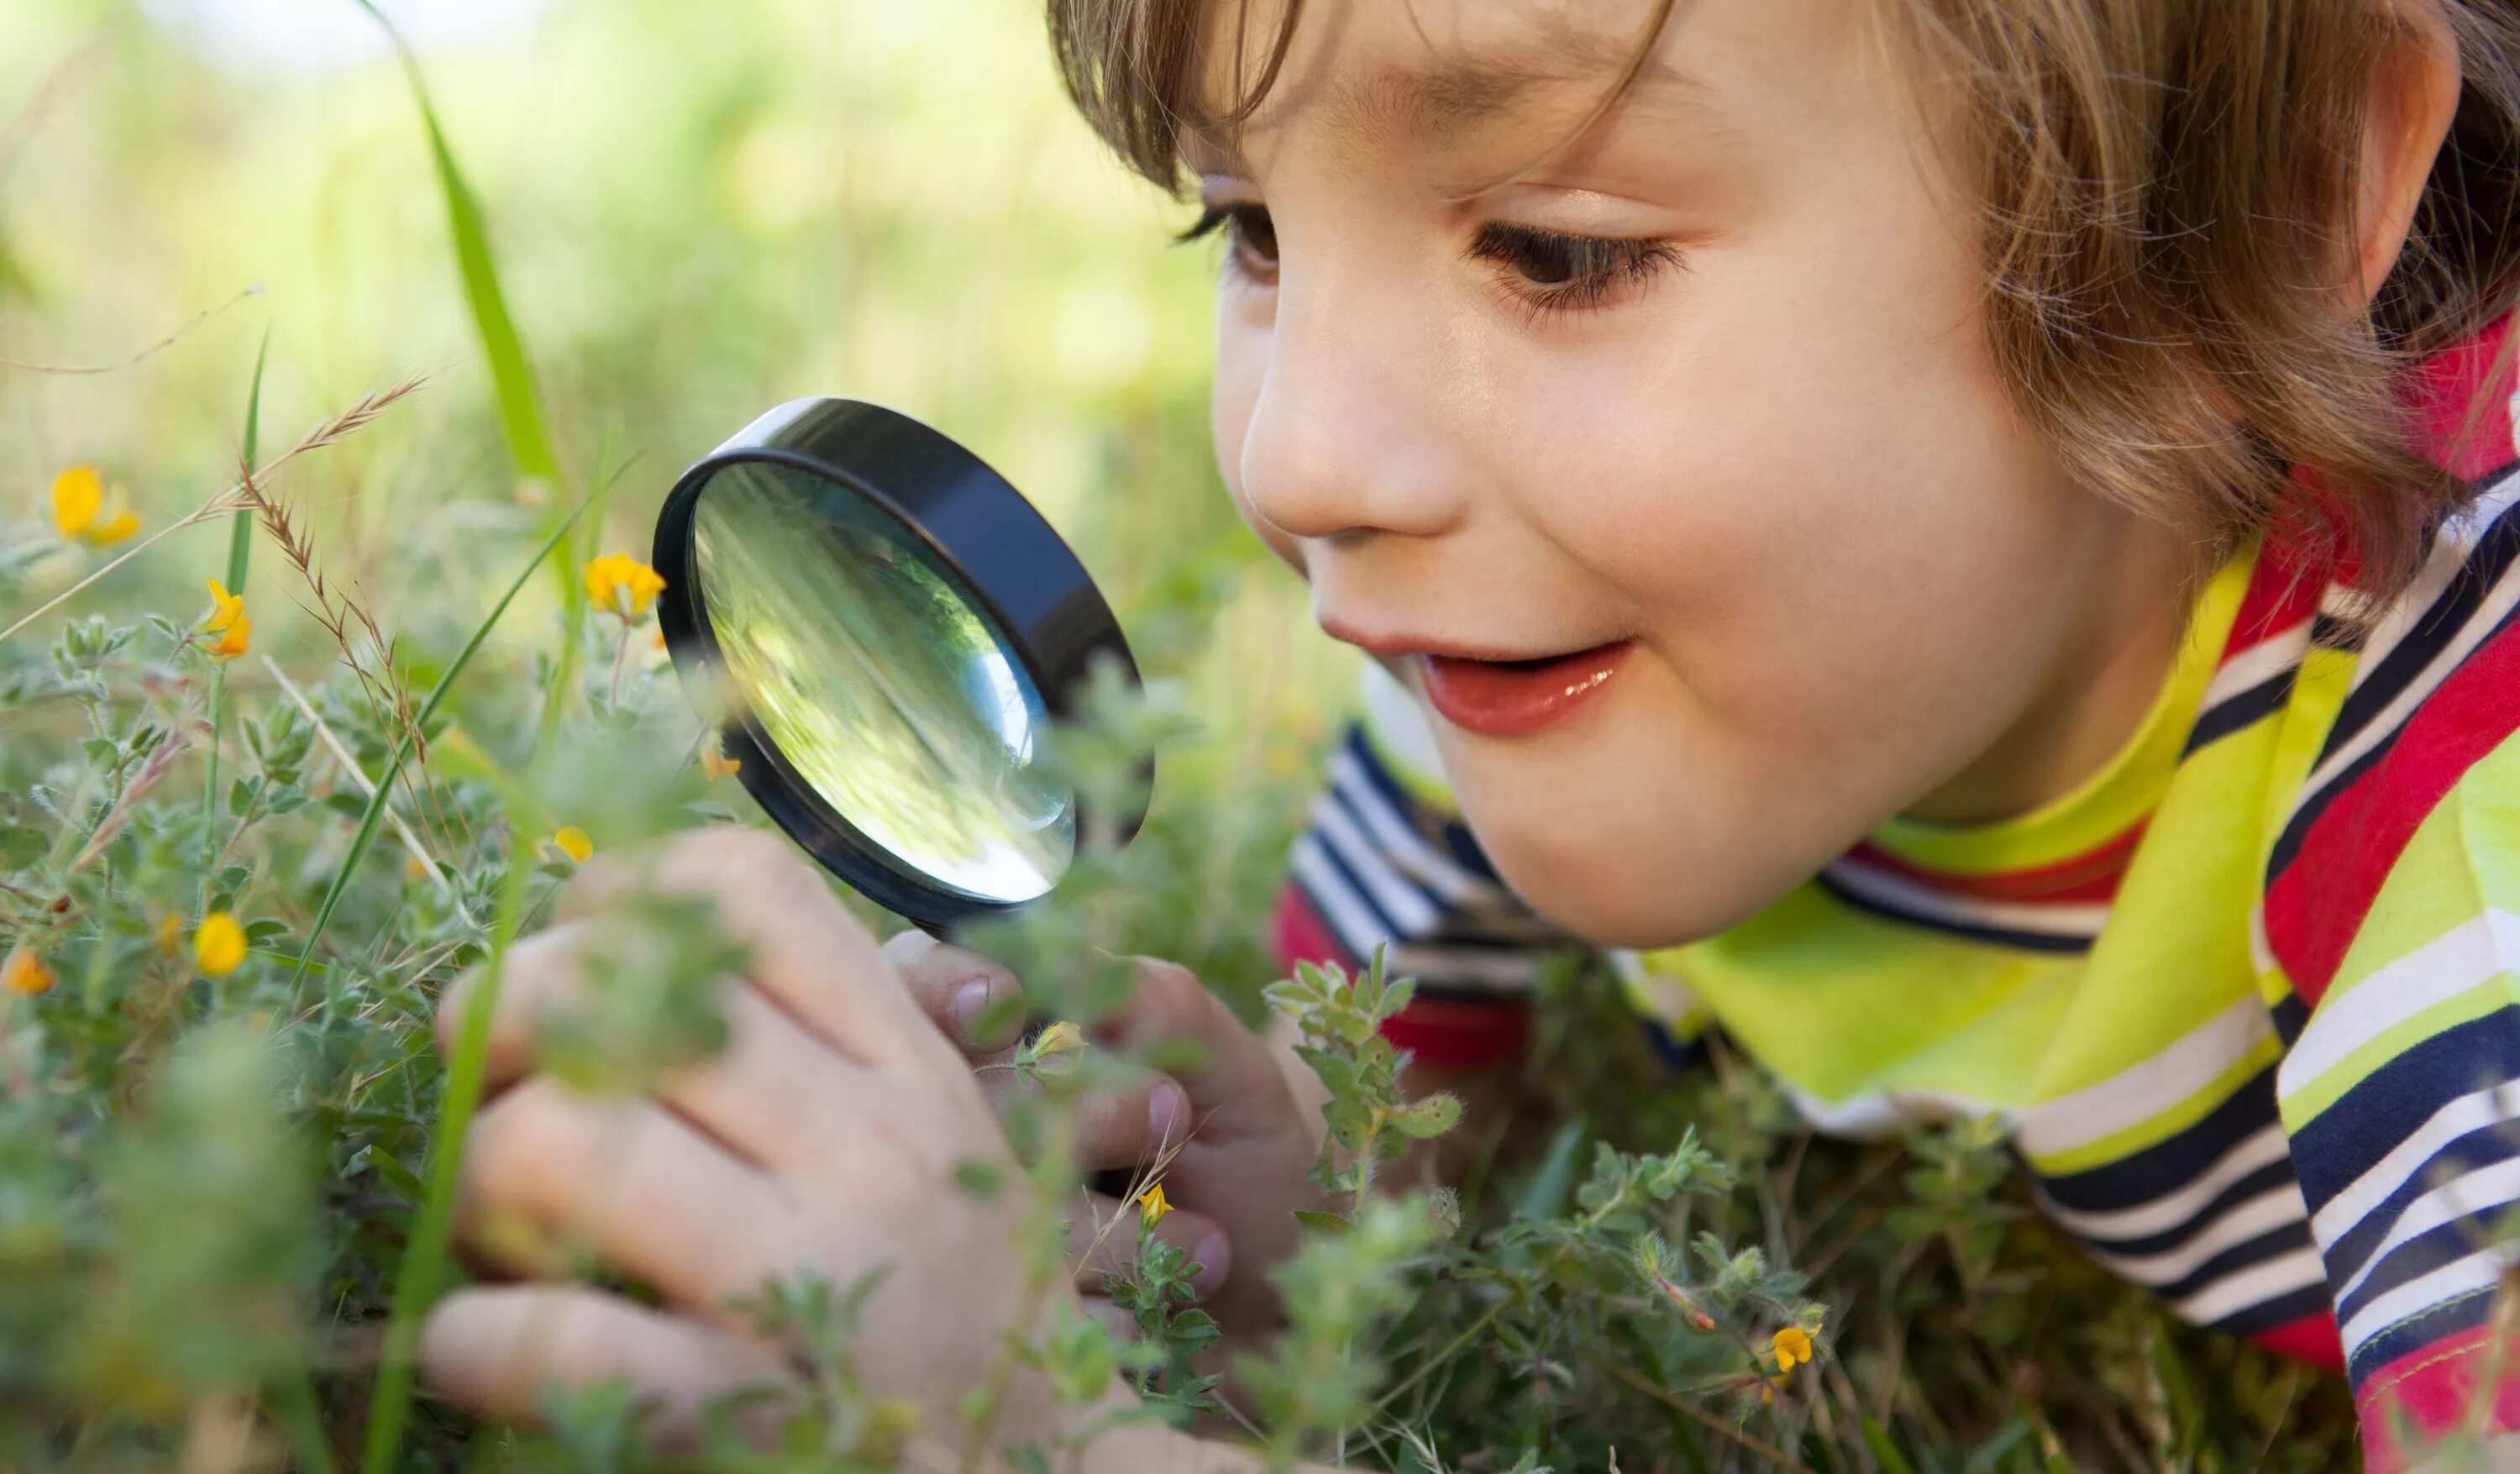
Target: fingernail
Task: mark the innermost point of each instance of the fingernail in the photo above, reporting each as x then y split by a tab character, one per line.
970	1000
1215	1258
1167	1113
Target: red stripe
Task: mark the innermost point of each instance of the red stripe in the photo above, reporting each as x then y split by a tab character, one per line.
2092	875
2439	395
2285	589
1457	1033
2313	1338
2317	903
2433	1388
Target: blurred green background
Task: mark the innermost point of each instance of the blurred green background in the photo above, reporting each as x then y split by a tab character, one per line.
699	210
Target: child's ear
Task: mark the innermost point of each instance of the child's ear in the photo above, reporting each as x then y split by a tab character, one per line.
2414	95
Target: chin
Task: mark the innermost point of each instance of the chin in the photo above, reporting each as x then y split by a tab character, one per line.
1621	879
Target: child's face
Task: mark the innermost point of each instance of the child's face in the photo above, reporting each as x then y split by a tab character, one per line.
1776	468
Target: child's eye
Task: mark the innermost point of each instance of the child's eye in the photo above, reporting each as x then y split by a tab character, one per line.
1253	250
1562	272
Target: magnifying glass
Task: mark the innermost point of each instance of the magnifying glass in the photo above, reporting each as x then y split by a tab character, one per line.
894	630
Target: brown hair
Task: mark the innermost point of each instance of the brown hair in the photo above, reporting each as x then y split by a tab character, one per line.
2167	187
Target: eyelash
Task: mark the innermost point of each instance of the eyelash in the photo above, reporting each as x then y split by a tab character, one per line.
1589	268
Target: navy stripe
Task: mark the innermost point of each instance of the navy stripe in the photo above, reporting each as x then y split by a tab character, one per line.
2420	1331
2288	843
1999	936
1668	1047
1357	892
2394	1102
2246	709
2417	1257
2283	1309
2276	1174
2274	1244
2291	1015
2450	612
2481	1147
1455	836
2137	1178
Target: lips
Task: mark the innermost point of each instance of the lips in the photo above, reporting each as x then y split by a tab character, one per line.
1514	697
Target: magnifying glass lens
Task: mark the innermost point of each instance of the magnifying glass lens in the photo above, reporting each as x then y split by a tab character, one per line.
880	679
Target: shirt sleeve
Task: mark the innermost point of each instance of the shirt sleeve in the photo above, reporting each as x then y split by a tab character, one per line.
2395	916
1385	860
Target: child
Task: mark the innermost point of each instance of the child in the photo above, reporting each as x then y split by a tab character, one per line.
1965	538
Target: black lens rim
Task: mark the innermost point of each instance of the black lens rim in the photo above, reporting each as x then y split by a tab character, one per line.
979	529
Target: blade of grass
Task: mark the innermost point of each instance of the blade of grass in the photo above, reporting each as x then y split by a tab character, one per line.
512	374
240	551
373	814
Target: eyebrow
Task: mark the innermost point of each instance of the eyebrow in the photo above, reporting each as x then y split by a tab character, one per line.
1399	104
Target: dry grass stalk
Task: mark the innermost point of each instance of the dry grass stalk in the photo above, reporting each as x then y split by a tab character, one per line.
332	433
152	351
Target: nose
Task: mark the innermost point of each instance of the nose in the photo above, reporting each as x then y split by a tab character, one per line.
1347	433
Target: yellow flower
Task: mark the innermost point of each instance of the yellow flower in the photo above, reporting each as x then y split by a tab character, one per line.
715	764
622	586
171	936
219	945
1793	1346
231	639
26	974
1059	1038
573	842
84	511
1153	1205
226	608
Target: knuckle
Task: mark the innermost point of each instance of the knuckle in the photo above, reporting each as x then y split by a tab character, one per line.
524	1143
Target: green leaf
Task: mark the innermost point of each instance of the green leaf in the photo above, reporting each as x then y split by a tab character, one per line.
1885	1451
1330	1224
1428	1118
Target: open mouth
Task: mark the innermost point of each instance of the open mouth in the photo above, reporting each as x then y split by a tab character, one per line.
1512	698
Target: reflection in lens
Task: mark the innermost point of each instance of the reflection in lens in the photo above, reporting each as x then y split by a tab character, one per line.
886	688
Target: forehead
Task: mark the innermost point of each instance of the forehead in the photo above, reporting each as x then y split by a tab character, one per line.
1390	72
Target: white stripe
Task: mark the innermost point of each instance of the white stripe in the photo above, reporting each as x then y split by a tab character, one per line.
2255	1285
1341	906
2477	1271
2451	549
2485	1189
2489	612
2079	920
2269	1211
1408	849
2470	1112
2137	1094
1410	910
2185	1201
2254	666
2449	964
1876	1113
1505	972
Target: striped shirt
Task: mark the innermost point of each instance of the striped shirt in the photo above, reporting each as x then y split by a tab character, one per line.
2248	999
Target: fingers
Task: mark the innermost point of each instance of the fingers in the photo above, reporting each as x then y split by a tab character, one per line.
957	990
776	1093
1235	1086
496	1351
1102	1240
630	1182
806	951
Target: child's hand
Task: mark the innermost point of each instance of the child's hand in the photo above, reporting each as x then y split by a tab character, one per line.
1239	1176
824	1140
